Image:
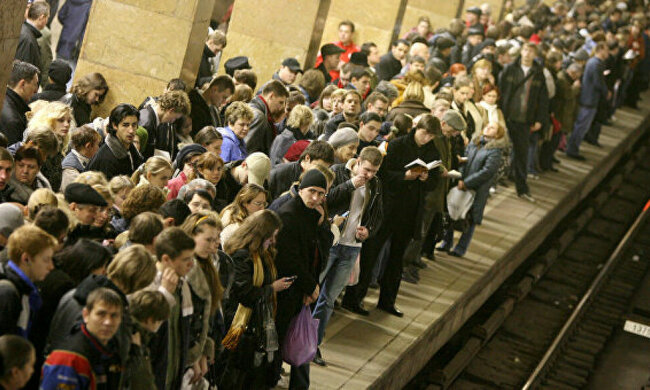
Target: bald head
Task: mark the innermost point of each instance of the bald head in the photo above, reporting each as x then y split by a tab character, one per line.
420	49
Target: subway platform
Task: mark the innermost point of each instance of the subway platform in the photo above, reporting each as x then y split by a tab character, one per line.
384	352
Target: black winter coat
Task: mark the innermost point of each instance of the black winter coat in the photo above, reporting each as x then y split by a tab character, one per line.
262	132
12	119
404	198
11	300
50	93
282	176
80	109
112	159
332	125
388	67
200	112
28	50
205	70
303	248
511	83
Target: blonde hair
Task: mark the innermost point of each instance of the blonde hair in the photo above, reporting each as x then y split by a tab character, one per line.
91	178
153	166
414	91
132	268
47	114
300	116
118	183
104	192
40	198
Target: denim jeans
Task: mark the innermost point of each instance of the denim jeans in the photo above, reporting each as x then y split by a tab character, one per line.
333	280
464	240
583	122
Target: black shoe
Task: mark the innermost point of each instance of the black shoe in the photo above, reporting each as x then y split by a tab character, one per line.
408	277
415	272
318	359
578	157
455	254
429	256
555	160
391	310
595	143
419	263
358	309
373	285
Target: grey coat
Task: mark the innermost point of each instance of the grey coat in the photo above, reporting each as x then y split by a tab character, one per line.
483	162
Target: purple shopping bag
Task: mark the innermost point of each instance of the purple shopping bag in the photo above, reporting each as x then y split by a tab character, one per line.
301	341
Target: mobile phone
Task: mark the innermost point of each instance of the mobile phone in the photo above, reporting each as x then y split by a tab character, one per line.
291	278
345	214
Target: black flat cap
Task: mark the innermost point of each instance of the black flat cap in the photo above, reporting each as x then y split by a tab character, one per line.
236	63
359	58
83	194
329	49
443	43
475	10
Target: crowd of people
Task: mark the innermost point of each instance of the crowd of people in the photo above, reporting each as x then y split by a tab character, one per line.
171	244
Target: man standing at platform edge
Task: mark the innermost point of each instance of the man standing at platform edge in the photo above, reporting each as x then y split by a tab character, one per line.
594	89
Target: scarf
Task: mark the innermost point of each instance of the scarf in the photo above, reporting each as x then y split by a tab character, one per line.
492	110
243	313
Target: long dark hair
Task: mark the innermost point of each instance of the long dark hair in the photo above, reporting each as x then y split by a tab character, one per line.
252	233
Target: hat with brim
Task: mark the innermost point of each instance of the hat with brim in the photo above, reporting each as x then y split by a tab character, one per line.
292	64
329	49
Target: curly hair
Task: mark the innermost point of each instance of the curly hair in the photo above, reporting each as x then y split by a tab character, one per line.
143	198
177	101
239	110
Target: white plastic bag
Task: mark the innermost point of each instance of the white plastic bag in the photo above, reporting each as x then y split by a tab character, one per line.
459	202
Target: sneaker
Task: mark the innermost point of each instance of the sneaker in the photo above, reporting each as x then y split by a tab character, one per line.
493	190
318	359
527	197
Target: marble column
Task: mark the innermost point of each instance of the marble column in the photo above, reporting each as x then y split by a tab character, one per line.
12	14
139	45
267	32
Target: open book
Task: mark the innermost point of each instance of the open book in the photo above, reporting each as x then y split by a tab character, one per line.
417	163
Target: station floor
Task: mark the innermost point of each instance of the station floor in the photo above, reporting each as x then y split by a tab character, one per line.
383	351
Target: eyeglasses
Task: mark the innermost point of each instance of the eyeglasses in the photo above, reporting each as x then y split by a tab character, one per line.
259	204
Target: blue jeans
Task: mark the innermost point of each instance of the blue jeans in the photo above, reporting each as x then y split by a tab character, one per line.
333	280
465	239
583	122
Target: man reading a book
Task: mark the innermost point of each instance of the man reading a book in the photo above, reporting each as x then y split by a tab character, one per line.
405	189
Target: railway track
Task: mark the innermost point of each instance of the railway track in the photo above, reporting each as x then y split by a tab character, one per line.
546	328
